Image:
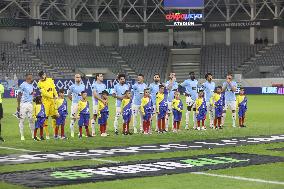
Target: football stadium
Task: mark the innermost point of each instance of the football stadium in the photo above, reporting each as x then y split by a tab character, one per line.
156	94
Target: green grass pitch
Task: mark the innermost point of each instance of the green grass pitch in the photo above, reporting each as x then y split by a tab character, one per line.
265	116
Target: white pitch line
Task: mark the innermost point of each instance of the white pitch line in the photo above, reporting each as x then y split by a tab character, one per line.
17	149
239	178
105	160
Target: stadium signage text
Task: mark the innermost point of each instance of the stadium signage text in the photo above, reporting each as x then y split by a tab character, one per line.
131	150
273	90
138	26
178	19
146	168
183	17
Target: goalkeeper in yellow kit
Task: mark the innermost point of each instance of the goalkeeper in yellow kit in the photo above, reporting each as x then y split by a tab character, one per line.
49	94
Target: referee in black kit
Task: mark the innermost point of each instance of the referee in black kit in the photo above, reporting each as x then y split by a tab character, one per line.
1	109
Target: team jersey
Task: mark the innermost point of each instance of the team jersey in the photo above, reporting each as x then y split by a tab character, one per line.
98	88
177	105
1	92
146	106
217	99
208	88
39	111
61	106
75	90
154	89
119	90
126	105
138	92
47	89
102	108
27	92
161	101
171	92
200	104
190	88
229	94
242	101
83	107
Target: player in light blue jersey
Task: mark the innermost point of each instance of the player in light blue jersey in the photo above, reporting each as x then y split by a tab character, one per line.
25	105
209	87
74	94
171	86
154	89
97	88
118	93
230	87
190	86
138	92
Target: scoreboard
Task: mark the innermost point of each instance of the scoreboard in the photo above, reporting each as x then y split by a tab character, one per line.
183	4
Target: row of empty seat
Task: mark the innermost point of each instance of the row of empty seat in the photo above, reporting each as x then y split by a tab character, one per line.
146	60
272	57
15	61
217	59
220	59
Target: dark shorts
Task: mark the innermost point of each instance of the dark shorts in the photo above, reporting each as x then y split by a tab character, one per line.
103	118
39	123
201	115
177	115
126	117
162	112
1	111
84	120
147	116
242	111
61	120
218	111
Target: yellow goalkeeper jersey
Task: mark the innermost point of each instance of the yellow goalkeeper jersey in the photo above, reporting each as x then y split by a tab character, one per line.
47	89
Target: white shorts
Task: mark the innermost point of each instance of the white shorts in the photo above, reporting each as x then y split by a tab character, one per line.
209	107
170	107
95	109
26	110
154	109
189	101
118	111
136	109
230	104
74	110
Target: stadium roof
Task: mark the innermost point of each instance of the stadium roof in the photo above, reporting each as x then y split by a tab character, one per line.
136	10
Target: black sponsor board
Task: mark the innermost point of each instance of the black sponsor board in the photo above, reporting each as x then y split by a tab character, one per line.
139	26
134	150
147	168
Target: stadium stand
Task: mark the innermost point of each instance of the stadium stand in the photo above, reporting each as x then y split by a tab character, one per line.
219	59
62	60
146	60
273	57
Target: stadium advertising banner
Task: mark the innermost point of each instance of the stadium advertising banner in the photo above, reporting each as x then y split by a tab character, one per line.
64	84
178	19
135	169
183	4
172	19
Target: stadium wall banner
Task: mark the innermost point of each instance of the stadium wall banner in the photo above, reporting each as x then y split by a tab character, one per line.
65	84
135	150
137	169
138	26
